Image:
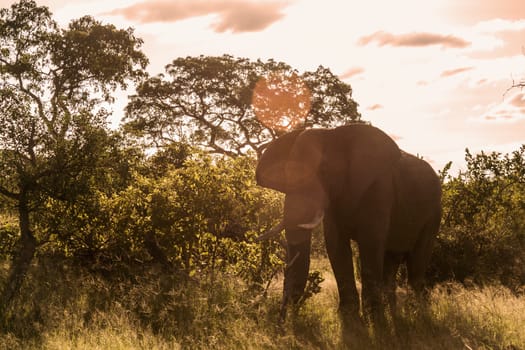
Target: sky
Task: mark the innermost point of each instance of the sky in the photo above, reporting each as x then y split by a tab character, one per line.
433	74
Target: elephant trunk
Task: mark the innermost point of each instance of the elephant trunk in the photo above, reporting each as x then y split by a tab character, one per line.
297	267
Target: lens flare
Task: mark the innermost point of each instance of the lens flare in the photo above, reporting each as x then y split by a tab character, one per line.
281	101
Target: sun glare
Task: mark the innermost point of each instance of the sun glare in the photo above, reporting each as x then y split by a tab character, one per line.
281	102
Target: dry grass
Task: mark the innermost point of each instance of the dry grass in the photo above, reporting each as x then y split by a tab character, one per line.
483	318
68	308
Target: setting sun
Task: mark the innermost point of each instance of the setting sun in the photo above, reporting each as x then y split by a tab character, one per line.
281	102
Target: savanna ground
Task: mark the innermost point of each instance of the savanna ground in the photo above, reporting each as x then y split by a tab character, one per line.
70	308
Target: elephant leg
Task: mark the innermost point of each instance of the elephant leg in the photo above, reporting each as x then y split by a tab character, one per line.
391	266
373	216
372	281
297	268
419	258
340	255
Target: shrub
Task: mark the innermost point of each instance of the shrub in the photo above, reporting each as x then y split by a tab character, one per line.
198	217
483	229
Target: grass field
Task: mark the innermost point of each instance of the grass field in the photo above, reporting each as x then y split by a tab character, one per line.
67	308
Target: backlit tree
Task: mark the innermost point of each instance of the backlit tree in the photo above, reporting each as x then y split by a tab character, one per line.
54	84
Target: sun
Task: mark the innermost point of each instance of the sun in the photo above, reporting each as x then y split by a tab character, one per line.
281	101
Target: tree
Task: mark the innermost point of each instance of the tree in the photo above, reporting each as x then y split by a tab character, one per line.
230	105
517	85
53	126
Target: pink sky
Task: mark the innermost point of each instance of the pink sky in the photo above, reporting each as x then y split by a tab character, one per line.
432	74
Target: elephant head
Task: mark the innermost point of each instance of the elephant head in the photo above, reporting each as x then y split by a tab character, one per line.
316	169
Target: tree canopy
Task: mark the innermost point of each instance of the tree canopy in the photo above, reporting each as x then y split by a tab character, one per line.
52	84
231	105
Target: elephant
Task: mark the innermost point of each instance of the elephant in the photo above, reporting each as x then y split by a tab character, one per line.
362	187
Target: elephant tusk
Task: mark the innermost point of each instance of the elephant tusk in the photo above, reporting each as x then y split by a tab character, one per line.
315	222
271	232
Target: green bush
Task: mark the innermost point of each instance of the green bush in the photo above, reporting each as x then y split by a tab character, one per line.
206	213
482	238
198	216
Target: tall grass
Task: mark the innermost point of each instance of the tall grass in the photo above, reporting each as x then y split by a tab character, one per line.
66	307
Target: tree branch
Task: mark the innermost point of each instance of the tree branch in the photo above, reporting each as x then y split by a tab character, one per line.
39	103
9	194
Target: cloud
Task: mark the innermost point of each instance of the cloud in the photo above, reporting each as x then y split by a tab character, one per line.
510	111
506	39
236	16
351	72
518	101
451	72
474	11
481	81
375	107
415	39
501	116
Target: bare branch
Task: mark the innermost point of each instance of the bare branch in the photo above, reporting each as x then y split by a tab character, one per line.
273	232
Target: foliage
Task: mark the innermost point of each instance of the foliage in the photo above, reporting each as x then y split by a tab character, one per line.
483	231
204	214
230	105
8	235
313	286
197	218
53	133
52	80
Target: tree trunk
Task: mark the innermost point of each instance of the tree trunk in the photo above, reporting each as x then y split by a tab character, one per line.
153	248
21	260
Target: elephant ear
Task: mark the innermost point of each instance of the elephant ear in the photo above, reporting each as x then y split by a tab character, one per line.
271	167
369	152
